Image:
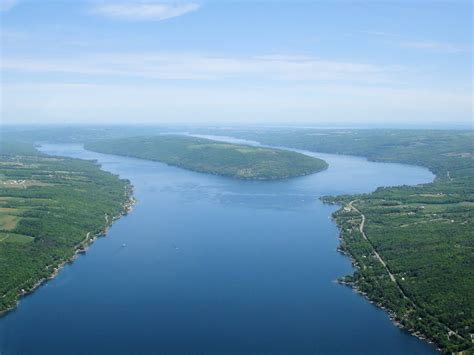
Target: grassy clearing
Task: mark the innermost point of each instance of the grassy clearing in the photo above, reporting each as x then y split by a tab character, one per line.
15	238
8	222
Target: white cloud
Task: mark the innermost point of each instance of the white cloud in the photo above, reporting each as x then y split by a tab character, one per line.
380	33
144	11
178	66
6	5
435	46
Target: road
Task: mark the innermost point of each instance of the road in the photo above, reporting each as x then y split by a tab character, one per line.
379	258
377	255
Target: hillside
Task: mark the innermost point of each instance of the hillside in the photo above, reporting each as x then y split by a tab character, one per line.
208	156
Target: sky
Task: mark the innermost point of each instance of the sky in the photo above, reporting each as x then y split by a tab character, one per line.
320	62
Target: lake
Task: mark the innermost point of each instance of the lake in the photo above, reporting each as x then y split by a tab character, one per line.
214	265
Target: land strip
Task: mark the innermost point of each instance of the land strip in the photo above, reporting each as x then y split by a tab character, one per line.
57	212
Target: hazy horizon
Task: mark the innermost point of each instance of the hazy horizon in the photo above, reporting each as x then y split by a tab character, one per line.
236	125
345	63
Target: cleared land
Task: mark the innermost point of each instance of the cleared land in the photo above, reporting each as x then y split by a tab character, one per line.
208	156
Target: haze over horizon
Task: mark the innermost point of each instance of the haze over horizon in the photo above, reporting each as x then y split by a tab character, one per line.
369	63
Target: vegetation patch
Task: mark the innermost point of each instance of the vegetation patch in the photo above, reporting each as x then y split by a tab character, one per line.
15	238
8	222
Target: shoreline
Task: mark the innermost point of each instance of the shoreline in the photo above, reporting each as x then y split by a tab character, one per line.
80	248
353	285
391	315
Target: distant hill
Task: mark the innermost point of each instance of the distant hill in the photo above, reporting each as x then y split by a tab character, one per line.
208	156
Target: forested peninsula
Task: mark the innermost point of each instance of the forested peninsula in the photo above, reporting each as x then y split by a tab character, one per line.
213	157
50	209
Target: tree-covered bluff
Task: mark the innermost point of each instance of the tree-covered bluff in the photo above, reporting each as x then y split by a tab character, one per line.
209	156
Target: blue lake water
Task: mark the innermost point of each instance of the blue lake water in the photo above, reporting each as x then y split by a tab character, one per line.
214	265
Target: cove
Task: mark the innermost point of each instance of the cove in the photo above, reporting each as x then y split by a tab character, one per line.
214	265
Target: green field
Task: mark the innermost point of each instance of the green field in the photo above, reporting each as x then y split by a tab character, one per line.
49	207
208	156
15	238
